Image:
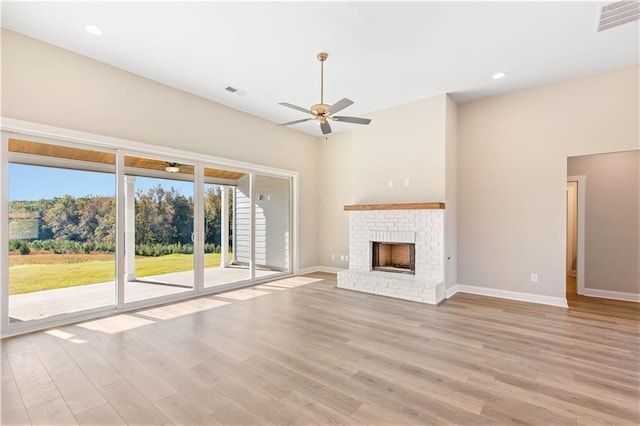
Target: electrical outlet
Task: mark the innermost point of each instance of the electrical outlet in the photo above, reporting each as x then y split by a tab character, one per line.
333	257
406	182
346	258
534	277
342	257
390	183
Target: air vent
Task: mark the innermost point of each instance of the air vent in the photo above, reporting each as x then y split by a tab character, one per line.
618	13
238	92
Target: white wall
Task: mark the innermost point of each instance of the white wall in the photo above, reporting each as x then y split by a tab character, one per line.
242	224
45	84
612	220
512	171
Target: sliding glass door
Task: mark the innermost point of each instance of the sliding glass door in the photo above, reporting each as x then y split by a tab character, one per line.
159	228
87	229
222	266
272	209
61	230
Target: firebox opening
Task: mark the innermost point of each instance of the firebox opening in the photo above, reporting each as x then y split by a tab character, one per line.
393	257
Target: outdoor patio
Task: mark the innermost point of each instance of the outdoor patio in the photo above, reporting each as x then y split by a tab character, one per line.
42	304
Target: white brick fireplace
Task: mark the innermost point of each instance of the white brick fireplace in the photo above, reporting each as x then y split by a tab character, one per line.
421	224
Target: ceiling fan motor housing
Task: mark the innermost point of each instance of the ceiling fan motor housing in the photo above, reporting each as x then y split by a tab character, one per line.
320	109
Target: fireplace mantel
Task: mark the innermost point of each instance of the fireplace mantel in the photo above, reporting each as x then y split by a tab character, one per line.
398	206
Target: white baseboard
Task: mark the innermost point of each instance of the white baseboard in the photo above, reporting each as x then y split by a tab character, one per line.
451	291
607	294
311	269
505	294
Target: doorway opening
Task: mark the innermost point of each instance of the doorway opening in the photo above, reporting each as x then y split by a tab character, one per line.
575	235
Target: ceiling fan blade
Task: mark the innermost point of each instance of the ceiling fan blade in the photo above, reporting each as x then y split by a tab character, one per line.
325	127
356	120
288	105
340	105
297	121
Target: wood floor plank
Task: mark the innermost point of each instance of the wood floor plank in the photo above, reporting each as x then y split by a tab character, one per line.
234	414
267	410
312	411
299	351
79	393
195	389
52	412
549	402
339	401
33	380
371	414
334	379
93	364
101	415
424	404
5	369
12	410
136	372
182	411
132	406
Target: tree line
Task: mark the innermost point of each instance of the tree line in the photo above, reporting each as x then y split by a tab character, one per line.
163	222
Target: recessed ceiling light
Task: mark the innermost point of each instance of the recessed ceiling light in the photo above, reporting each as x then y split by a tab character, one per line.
499	75
92	29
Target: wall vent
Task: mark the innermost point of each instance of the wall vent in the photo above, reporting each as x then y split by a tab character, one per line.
618	13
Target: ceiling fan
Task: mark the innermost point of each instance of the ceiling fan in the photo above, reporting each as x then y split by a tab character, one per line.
172	167
322	112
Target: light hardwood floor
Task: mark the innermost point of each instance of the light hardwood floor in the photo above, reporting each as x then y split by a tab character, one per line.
301	351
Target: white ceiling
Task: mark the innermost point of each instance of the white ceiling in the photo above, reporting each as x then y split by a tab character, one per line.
381	54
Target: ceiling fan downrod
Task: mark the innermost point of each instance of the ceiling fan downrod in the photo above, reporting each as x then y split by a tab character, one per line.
322	57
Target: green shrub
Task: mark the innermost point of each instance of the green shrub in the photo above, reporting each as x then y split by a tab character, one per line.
163	249
24	249
15	245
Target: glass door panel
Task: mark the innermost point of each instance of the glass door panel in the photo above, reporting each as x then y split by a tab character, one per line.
272	225
61	230
223	191
159	228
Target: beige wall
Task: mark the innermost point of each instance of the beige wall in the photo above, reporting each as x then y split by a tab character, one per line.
45	84
512	169
335	189
451	193
404	142
612	220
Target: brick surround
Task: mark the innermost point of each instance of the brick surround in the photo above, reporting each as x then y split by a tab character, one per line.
424	227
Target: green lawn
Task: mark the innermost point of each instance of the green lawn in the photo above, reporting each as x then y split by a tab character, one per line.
36	276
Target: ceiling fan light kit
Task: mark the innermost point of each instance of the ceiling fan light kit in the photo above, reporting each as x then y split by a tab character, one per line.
172	167
323	113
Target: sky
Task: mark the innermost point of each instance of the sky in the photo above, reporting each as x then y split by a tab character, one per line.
27	183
